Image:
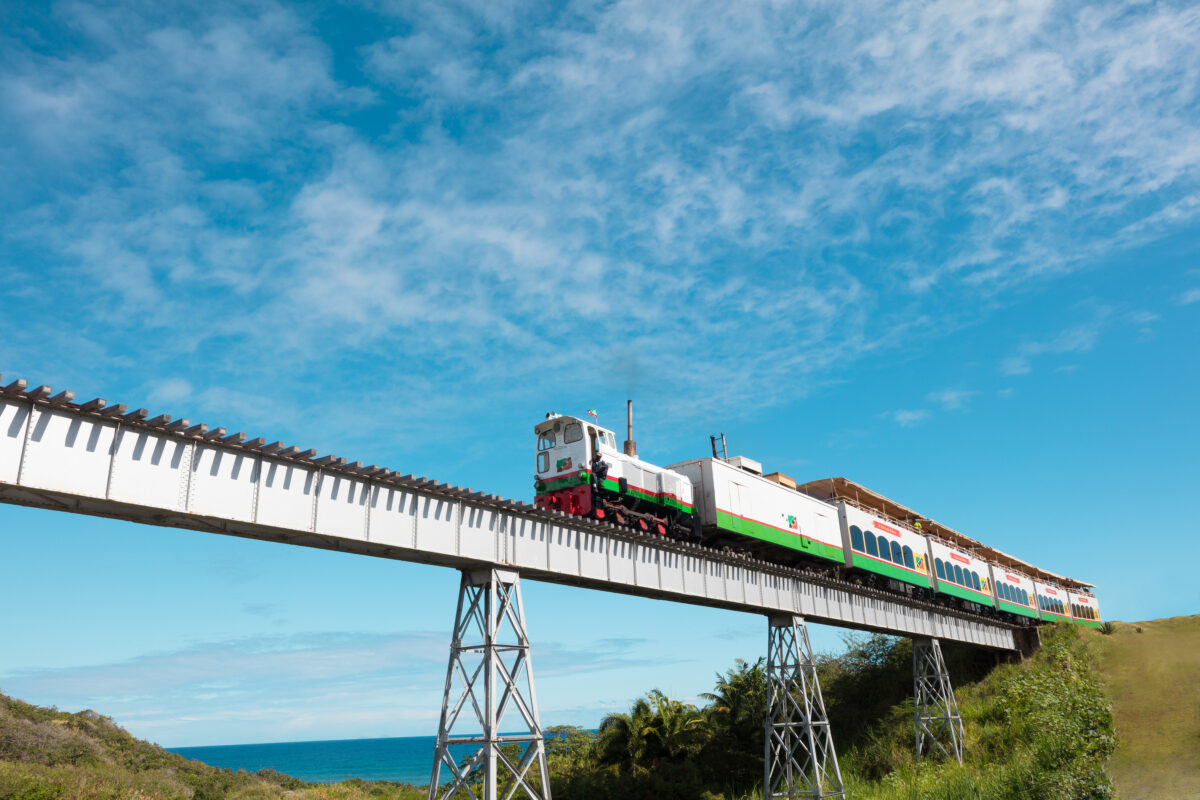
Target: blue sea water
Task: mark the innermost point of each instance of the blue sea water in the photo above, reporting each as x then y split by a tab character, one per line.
408	759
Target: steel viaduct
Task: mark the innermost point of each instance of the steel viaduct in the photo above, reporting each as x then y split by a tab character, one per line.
107	460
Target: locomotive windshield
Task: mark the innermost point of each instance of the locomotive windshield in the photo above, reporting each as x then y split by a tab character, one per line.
546	440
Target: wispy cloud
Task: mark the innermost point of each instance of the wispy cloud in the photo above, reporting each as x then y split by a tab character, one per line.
1189	297
687	186
288	687
1079	338
907	418
952	399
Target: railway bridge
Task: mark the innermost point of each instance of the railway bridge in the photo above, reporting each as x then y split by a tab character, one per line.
106	459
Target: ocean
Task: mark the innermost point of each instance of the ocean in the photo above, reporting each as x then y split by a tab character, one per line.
408	759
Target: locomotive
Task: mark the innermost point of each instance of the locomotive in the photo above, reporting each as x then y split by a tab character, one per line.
831	526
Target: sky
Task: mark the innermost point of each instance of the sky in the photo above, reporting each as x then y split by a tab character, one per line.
949	251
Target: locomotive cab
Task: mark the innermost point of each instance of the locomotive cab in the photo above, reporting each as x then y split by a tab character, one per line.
565	450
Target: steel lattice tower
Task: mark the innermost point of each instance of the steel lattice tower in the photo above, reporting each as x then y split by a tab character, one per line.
937	719
490	667
800	759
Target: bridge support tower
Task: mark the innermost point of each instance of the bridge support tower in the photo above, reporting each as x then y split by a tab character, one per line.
490	673
800	761
938	723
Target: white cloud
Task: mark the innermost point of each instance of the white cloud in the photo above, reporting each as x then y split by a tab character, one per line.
1189	297
1015	365
684	184
951	399
907	418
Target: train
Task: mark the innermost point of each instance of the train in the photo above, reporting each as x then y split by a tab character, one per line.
832	526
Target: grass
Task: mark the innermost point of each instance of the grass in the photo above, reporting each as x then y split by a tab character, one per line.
1042	729
47	754
1153	680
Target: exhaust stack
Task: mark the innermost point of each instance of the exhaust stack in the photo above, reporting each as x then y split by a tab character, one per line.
630	444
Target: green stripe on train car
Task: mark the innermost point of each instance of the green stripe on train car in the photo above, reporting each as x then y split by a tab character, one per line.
1004	605
613	486
1091	623
792	541
863	561
967	594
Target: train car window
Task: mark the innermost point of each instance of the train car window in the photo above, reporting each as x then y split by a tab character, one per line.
885	552
872	548
546	440
856	540
897	556
1004	595
958	575
1024	597
908	558
939	568
543	462
573	433
975	584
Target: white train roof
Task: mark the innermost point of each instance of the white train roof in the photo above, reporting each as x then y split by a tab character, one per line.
833	489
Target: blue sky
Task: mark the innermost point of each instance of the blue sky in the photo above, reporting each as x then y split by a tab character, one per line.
949	252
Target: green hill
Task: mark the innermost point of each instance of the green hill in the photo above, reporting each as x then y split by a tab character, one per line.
47	754
1042	729
1151	671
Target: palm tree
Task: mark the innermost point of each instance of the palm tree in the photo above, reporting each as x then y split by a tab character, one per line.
737	711
655	728
677	729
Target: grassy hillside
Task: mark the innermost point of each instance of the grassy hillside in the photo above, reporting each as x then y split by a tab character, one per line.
1151	671
1042	729
47	754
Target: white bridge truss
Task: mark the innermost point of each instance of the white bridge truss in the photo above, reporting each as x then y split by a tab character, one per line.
102	459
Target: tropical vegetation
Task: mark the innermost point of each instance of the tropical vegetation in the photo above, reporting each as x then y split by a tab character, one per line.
1040	729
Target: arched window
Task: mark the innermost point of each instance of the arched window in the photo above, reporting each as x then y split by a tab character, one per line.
975	584
872	549
940	567
897	555
885	552
1024	597
1061	608
1006	591
856	538
958	575
908	558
